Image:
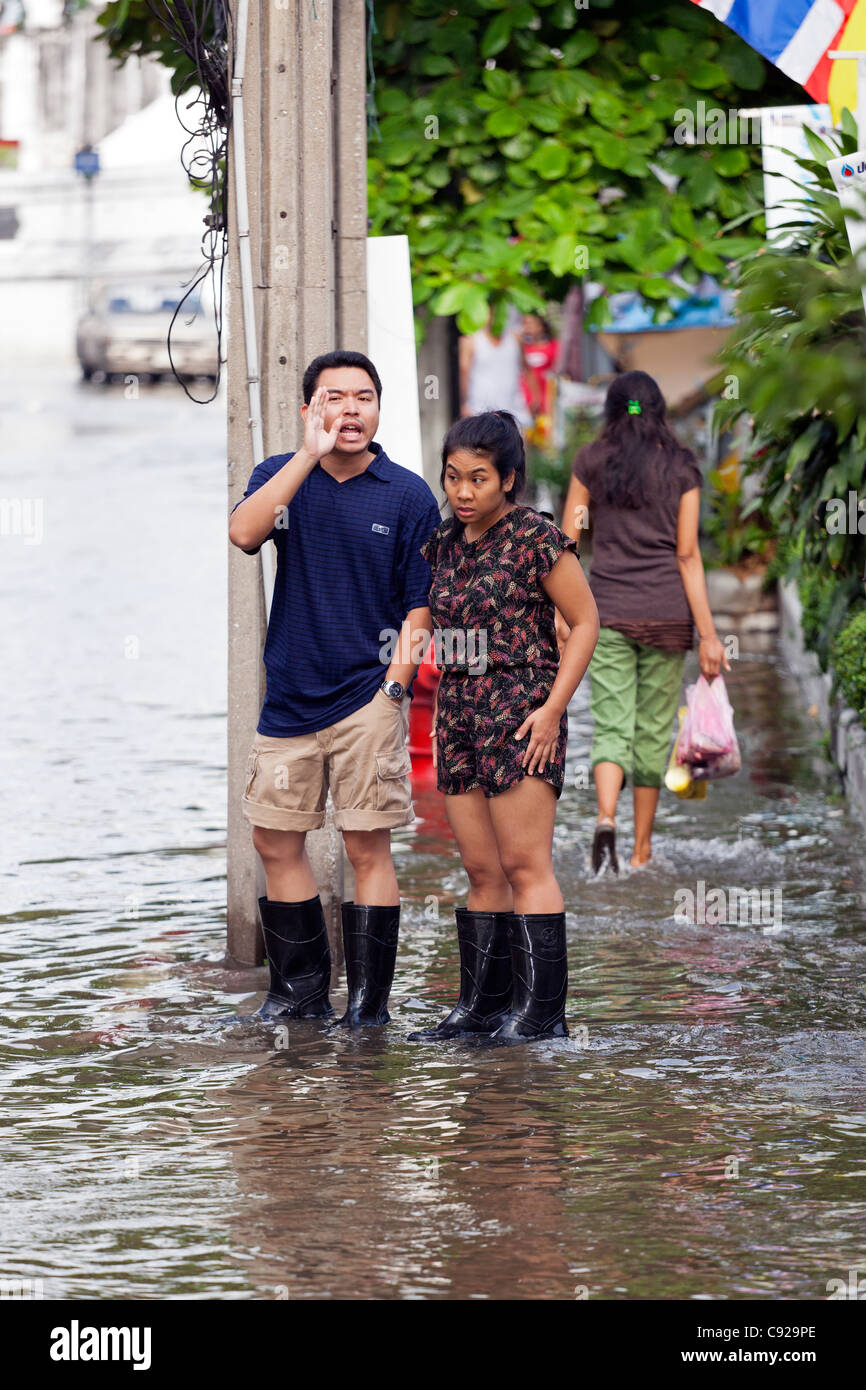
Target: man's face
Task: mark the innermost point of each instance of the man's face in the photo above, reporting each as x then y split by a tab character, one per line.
352	403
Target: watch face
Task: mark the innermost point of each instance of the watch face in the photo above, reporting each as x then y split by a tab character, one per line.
394	689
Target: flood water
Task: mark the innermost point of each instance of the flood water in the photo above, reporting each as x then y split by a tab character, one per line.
699	1136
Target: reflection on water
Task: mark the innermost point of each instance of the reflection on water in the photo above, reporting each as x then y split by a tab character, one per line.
700	1134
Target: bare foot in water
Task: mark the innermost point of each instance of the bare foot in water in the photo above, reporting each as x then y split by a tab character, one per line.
640	858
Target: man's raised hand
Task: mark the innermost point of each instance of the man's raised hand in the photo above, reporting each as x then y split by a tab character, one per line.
317	440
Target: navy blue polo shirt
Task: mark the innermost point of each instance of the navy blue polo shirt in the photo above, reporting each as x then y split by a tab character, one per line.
348	568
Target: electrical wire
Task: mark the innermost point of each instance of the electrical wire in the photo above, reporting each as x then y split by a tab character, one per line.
200	30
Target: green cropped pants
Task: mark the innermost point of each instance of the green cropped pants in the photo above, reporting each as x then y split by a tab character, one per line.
635	690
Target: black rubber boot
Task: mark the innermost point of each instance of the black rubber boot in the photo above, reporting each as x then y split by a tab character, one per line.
299	959
485	977
370	947
539	964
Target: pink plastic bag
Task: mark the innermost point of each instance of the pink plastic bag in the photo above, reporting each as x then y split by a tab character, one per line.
708	743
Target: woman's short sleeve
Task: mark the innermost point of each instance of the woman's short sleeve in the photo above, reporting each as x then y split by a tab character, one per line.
582	468
688	472
550	543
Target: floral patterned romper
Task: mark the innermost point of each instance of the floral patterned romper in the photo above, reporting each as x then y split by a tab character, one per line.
495	643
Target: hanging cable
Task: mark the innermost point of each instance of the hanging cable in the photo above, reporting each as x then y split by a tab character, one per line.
372	115
199	29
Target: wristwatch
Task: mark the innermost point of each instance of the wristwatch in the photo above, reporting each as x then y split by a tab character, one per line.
393	689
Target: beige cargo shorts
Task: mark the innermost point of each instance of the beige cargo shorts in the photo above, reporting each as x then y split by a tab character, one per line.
363	759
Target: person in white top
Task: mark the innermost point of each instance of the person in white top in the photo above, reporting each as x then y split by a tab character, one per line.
490	371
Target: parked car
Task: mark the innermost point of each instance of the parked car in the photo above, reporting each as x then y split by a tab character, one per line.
125	331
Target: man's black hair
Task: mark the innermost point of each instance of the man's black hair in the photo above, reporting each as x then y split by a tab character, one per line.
342	357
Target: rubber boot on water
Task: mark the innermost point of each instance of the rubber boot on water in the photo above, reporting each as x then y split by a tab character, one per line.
539	965
370	948
485	977
299	960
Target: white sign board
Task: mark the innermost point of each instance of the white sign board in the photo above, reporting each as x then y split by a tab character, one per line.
391	348
782	130
849	177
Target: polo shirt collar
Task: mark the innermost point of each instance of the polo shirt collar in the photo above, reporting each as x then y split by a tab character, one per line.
378	465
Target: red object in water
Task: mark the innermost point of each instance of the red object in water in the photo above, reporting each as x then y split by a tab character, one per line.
424	689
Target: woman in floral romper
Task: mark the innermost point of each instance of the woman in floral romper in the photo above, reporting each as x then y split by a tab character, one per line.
499	571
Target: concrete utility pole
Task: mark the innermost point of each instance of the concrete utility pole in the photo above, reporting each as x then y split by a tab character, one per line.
305	140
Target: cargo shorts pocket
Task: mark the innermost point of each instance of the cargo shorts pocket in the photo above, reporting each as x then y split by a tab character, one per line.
393	789
252	769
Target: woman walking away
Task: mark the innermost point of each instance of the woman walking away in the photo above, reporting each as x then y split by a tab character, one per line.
641	491
499	572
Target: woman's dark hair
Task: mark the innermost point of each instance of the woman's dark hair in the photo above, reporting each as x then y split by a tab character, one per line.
634	427
493	432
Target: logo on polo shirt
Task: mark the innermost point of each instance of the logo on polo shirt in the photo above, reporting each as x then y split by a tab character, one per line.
382	530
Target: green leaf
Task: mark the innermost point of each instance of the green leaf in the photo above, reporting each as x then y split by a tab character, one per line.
578	48
598	314
552	212
451	299
606	108
730	161
666	257
655	287
568	89
475	304
849	124
820	150
507	120
393	102
707	77
501	84
401	151
542	117
608	149
732	247
437	65
520	147
550	160
702	184
744	66
496	35
673	44
682	219
707	262
438	175
561	255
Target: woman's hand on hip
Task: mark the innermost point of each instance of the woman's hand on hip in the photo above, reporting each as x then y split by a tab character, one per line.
542	725
712	657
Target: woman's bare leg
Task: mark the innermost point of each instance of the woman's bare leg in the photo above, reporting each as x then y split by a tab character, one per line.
469	817
646	799
608	784
523	820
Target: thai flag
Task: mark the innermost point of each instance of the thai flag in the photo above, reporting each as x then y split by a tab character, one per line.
793	34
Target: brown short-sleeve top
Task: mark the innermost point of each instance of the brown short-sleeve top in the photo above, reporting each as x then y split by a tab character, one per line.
634	575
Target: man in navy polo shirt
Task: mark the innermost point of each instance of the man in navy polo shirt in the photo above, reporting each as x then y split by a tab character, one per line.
348	524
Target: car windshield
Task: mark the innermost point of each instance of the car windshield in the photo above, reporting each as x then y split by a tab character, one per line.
150	299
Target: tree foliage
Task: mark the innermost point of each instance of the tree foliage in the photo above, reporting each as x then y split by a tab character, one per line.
518	145
796	359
